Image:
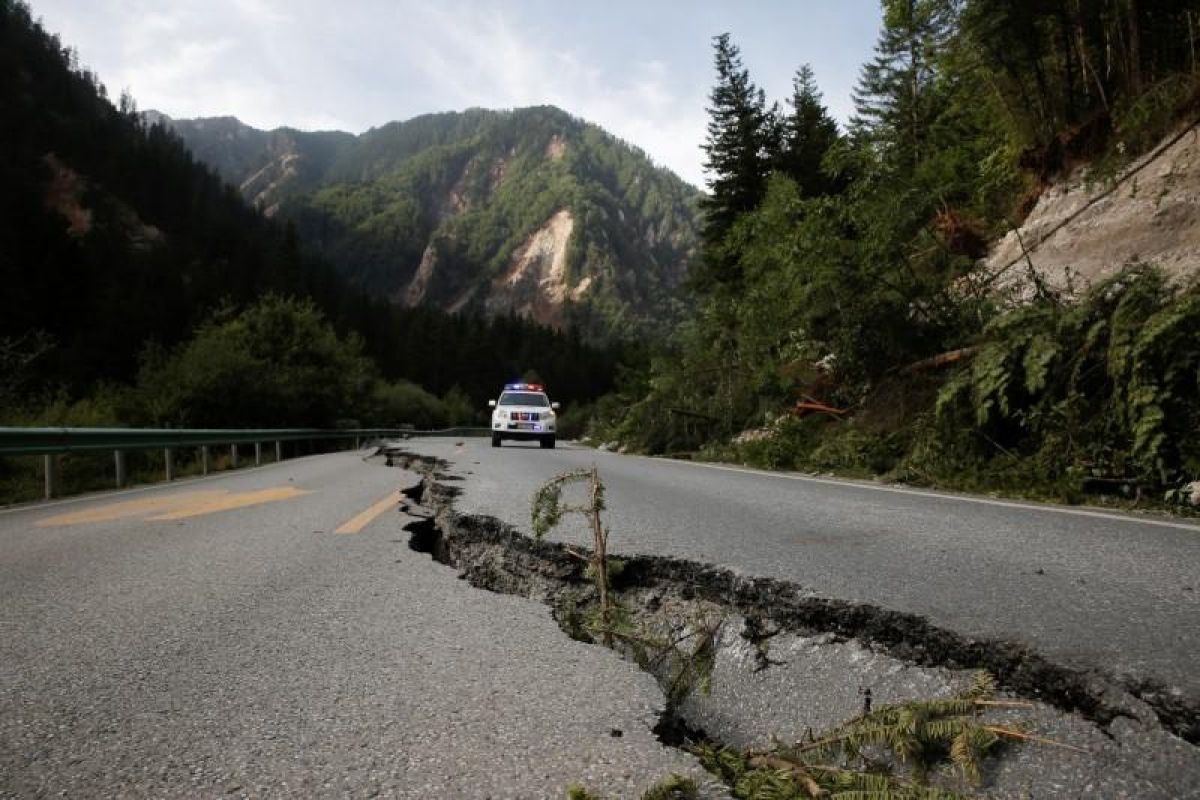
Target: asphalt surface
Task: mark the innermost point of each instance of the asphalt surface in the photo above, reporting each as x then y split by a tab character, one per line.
219	638
1106	591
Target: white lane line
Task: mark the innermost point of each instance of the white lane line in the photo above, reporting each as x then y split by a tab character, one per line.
986	501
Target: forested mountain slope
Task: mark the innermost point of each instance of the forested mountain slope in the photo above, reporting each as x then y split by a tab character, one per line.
131	272
529	211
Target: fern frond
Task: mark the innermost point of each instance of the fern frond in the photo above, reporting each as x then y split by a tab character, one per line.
983	686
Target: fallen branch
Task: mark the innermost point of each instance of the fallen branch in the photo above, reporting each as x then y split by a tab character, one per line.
807	403
798	772
576	554
941	359
1013	733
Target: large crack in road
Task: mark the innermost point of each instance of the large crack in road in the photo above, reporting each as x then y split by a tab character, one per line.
784	663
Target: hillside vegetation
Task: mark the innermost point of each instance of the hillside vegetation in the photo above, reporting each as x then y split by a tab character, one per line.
529	211
845	323
141	289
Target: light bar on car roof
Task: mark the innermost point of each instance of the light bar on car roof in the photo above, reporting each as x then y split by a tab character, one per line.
524	387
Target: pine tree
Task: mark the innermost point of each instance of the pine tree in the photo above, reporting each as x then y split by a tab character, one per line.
895	97
740	133
807	134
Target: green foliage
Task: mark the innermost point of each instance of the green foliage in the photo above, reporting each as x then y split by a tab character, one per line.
921	735
965	111
401	402
1063	68
1113	382
808	133
277	364
673	787
548	508
741	135
897	96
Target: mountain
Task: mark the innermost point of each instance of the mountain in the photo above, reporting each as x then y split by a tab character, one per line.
529	211
117	244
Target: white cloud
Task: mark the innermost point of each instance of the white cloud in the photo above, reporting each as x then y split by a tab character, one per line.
642	71
487	60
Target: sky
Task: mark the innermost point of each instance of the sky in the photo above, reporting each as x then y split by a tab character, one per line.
642	70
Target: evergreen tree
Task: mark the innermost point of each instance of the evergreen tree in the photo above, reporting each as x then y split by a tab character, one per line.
740	133
807	134
895	97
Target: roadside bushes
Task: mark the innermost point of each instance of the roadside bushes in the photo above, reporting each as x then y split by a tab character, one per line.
1108	386
1102	392
278	363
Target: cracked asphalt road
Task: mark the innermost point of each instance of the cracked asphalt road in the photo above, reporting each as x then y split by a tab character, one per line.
1104	591
218	637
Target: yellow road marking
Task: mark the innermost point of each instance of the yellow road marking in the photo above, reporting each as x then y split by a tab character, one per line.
129	508
173	506
362	520
228	502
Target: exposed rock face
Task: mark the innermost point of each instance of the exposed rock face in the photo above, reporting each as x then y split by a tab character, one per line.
535	284
262	188
1080	233
64	194
556	148
419	286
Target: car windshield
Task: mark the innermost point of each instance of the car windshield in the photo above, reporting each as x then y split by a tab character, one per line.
524	399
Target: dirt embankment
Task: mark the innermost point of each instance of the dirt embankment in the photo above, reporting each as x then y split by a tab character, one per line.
1085	229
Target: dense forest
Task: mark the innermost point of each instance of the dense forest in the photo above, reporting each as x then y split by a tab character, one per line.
140	288
844	324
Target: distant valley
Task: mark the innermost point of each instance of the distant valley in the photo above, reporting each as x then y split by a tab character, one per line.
530	212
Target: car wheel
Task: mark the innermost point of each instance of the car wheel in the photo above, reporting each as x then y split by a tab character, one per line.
548	443
495	440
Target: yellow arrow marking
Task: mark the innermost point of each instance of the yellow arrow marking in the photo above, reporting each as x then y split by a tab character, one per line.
172	506
362	520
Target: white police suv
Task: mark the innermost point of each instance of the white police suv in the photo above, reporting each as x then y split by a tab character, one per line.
524	412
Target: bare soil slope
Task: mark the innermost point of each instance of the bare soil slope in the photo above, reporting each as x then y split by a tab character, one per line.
1084	230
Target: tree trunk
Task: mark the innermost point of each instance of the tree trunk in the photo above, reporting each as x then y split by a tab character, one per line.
1133	46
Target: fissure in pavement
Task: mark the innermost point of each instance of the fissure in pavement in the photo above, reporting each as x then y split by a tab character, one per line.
824	636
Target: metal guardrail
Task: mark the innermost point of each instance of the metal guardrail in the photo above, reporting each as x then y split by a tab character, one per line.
52	442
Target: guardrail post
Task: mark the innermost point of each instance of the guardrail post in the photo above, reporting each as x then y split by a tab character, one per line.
356	443
233	455
51	467
204	459
168	463
258	454
278	451
119	461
